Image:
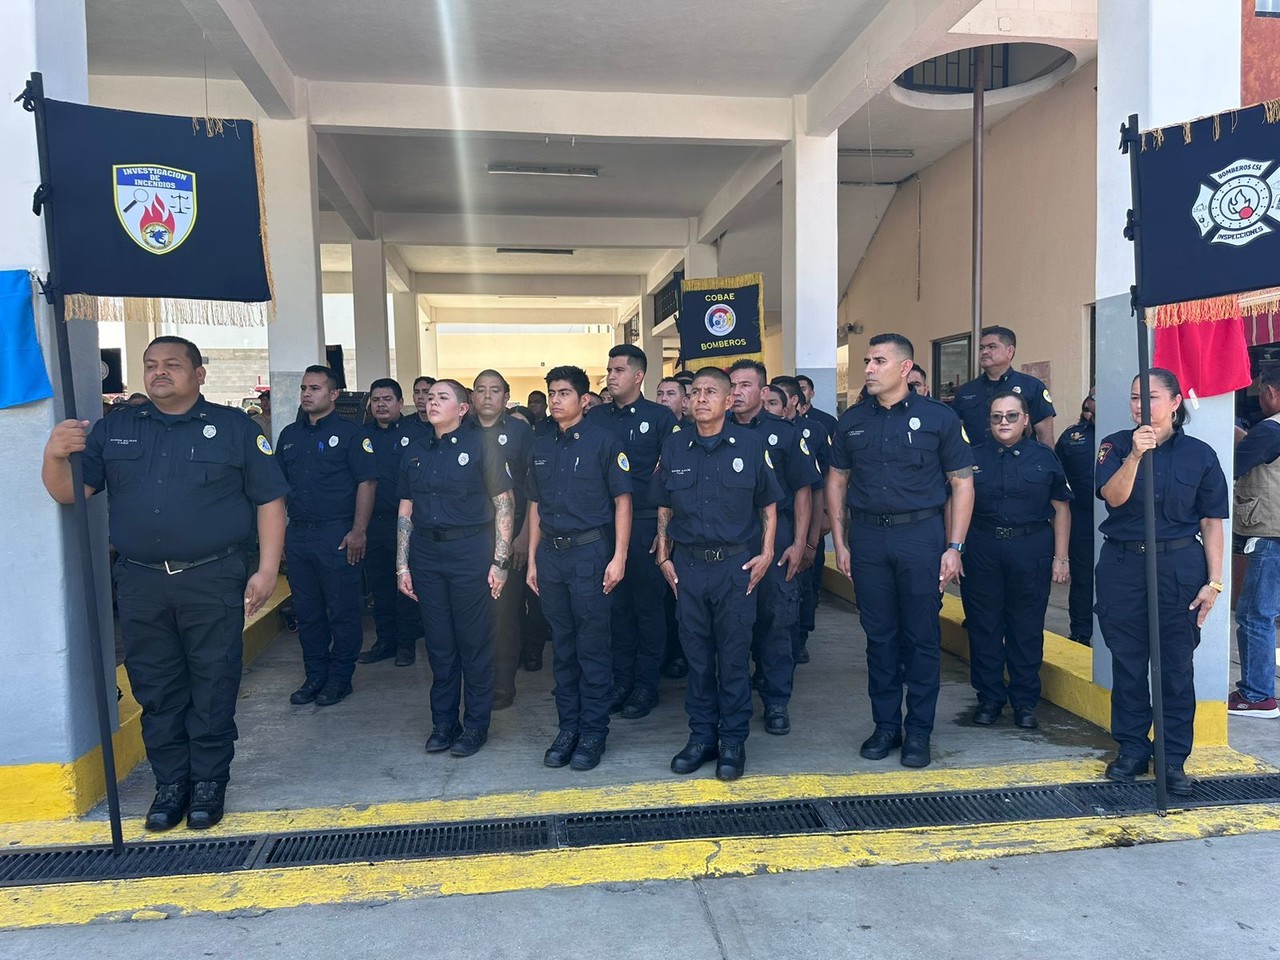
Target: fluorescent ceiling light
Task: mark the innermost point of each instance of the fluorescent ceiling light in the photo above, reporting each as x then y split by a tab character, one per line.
903	152
548	251
544	170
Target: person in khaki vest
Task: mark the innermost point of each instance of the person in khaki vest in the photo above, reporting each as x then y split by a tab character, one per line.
1256	530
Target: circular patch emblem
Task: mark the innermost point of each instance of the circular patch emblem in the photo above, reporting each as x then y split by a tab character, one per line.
773	439
914	423
738	464
463	458
1017	389
805	432
804	447
210	430
502	439
720	320
366	445
623	462
333	441
404	441
264	445
644	427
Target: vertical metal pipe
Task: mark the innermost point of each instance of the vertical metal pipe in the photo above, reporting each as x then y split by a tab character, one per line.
979	104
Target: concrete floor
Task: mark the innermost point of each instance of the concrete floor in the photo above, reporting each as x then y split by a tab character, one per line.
369	748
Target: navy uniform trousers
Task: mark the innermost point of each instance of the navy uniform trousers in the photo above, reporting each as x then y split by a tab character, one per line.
394	615
451	579
327	598
1122	614
639	623
895	578
1080	558
810	591
776	612
183	640
507	636
1006	590
716	618
578	612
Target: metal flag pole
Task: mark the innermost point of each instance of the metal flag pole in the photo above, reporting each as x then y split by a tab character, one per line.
33	101
1131	144
979	138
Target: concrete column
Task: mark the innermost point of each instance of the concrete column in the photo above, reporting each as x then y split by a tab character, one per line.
49	767
295	340
651	344
428	346
369	296
136	338
810	278
700	259
405	316
1167	62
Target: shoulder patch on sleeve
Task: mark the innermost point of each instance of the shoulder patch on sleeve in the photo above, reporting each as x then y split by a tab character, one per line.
366	445
623	463
509	476
1047	398
264	445
1103	451
804	447
768	459
964	433
676	428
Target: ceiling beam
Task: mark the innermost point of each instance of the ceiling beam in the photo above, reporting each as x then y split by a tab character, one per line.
346	107
747	185
662	269
340	186
241	39
904	33
491	230
399	276
526	285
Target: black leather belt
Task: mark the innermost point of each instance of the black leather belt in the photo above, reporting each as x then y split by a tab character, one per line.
712	552
894	519
572	540
177	566
445	534
1162	546
1010	533
318	524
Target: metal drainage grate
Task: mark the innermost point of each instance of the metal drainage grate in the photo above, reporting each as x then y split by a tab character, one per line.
69	864
948	809
1102	798
698	823
409	843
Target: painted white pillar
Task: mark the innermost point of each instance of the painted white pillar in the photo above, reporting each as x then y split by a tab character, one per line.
651	344
405	317
136	338
810	277
700	259
47	715
369	302
295	340
1167	61
428	345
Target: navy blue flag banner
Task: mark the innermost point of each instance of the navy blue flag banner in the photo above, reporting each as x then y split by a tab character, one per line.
721	320
1210	202
157	217
23	377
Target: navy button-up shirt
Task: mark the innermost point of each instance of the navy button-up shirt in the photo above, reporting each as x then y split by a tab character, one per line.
823	419
817	439
390	443
898	458
1076	453
453	479
973	400
512	440
576	475
324	462
1190	486
640	427
789	454
1015	486
182	486
715	486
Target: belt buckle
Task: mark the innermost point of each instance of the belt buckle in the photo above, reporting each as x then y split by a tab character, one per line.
172	572
562	543
1004	533
1142	546
885	520
713	556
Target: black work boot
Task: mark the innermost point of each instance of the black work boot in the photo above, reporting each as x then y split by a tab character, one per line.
168	806
207	798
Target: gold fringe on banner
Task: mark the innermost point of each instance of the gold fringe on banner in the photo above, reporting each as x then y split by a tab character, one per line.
221	313
1215	308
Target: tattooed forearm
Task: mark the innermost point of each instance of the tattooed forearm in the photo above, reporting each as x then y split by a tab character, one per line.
404	527
768	525
504	510
960	474
664	538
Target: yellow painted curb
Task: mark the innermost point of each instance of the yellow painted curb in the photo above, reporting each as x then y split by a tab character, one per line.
381	882
50	791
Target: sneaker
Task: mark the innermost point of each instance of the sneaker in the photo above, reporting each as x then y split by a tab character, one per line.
1238	706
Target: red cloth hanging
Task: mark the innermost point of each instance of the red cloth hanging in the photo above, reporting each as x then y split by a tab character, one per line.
1210	357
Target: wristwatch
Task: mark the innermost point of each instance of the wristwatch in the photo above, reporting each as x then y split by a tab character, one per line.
503	564
957	547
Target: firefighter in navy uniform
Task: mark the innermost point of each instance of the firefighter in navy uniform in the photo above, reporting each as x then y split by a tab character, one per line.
512	440
453	556
639	625
973	399
579	528
1191	501
395	616
186	479
332	474
1076	451
717	497
779	595
892	459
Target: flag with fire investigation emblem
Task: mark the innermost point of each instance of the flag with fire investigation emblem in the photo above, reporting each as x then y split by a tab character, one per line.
1210	201
152	206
